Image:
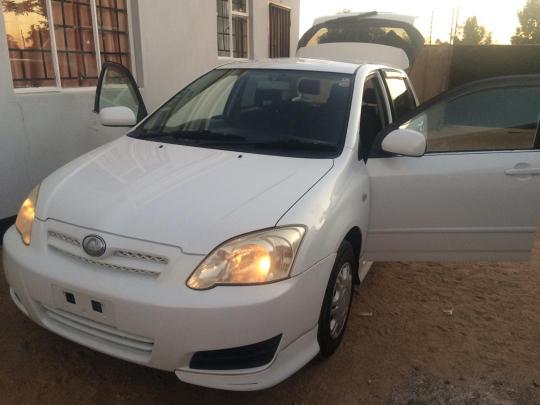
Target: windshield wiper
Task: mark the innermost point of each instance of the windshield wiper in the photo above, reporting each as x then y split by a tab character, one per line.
284	144
216	139
198	136
296	144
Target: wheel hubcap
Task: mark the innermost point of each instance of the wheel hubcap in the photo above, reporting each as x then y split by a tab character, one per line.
339	307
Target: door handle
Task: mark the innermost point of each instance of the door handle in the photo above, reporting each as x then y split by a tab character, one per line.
526	171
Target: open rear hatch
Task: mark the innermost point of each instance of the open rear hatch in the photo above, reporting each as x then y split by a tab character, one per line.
363	37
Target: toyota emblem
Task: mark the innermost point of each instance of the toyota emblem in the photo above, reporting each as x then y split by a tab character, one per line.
94	245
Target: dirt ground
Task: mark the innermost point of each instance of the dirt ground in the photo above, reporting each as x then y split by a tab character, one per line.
422	333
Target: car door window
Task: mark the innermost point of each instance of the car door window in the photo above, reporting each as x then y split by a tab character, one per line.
401	97
373	118
117	87
504	118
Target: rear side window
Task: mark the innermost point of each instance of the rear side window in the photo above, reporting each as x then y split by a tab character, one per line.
401	97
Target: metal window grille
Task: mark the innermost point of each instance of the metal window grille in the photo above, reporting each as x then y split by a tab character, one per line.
239	5
232	28
223	28
30	50
112	16
75	42
280	32
62	42
240	37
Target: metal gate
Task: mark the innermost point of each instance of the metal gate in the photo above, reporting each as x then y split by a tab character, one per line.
280	32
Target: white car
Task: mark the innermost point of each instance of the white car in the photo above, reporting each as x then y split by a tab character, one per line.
221	238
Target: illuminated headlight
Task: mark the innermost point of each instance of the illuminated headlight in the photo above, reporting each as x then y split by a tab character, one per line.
256	258
26	215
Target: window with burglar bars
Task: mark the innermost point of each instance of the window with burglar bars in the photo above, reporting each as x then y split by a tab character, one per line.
86	32
232	28
280	32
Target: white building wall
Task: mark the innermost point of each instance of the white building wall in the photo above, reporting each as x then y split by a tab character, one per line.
41	131
179	43
183	41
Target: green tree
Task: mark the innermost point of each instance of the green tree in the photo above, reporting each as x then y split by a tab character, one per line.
471	33
529	20
24	7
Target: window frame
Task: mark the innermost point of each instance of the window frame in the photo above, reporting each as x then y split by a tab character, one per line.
395	74
232	13
97	45
385	107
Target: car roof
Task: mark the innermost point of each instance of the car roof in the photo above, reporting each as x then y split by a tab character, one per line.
317	65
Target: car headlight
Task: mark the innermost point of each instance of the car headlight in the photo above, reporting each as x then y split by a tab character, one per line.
256	258
26	215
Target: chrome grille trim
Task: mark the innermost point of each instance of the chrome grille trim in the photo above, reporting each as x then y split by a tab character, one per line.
110	266
66	238
141	256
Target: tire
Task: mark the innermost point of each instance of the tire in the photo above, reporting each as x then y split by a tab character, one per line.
337	300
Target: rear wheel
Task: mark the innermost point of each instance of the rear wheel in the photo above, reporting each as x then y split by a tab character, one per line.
337	300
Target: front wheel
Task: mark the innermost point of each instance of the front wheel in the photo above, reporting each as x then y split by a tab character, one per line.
337	300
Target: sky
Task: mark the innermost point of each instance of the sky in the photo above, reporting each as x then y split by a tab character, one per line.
497	16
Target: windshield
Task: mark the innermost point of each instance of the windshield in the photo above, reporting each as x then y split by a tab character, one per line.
290	113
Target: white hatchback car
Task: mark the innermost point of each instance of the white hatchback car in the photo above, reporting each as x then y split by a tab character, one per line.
221	237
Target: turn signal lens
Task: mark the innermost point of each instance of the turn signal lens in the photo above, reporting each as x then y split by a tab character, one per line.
257	258
26	216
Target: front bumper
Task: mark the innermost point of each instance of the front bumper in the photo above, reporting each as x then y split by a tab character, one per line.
161	323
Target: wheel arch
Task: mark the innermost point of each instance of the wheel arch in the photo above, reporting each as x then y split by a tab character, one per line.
354	237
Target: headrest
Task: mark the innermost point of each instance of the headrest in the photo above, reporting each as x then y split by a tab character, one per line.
370	96
265	97
338	96
309	86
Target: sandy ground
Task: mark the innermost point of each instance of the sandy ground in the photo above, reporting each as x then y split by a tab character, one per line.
402	346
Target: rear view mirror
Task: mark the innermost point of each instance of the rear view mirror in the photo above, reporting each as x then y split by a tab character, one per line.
117	117
406	142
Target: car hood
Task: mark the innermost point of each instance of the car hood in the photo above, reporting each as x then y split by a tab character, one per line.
193	198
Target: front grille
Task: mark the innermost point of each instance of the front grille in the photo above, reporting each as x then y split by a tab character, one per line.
125	260
65	238
237	358
80	329
141	256
110	266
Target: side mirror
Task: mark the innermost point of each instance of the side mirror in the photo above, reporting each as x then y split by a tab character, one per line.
406	142
117	117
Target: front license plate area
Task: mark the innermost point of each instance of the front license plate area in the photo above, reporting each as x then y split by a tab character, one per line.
84	305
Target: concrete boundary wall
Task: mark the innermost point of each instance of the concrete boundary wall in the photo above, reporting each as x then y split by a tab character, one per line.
441	67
